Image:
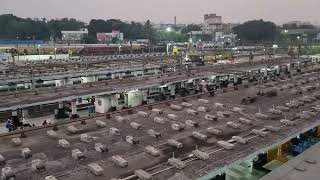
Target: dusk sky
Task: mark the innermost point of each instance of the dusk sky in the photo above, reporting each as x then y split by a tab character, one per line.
187	11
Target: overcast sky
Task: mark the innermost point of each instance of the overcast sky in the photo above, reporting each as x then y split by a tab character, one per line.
187	11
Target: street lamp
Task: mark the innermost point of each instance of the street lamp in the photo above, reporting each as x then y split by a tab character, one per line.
299	46
55	53
168	29
39	51
18	47
119	49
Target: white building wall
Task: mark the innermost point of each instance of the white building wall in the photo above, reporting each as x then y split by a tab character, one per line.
41	57
104	103
88	79
135	98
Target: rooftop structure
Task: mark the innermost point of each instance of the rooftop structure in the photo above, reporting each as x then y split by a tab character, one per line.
114	36
73	36
213	22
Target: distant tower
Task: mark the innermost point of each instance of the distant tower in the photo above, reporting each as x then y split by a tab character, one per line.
175	21
213	22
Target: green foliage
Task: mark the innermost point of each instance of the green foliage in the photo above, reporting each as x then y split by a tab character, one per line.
256	30
89	40
115	40
295	26
12	27
172	36
65	24
99	25
133	30
191	27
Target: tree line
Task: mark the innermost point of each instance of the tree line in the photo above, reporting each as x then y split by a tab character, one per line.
258	31
13	27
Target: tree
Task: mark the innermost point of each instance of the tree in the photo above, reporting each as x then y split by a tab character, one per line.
290	26
296	26
148	31
133	30
257	30
172	36
307	26
12	27
88	40
191	27
115	40
64	24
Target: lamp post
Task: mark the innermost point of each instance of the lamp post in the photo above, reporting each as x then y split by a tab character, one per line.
299	46
55	53
39	51
119	49
18	47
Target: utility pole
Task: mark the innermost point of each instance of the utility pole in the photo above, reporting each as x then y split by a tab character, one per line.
180	63
55	53
18	47
55	50
14	65
31	78
162	66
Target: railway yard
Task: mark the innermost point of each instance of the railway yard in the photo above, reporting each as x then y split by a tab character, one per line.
23	70
112	91
194	122
192	135
73	91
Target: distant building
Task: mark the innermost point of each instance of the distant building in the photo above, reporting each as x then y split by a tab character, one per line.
142	41
213	22
298	23
74	36
228	27
318	37
198	36
110	37
225	39
164	27
303	35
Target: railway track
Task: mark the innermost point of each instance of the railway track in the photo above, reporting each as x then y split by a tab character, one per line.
158	169
103	86
129	110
